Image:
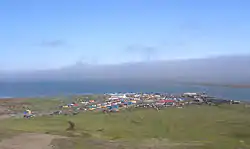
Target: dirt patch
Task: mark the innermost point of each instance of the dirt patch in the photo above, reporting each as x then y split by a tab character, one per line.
3	109
47	141
64	143
29	141
12	106
5	116
12	100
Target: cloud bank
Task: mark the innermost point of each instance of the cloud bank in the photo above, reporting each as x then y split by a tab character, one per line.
53	43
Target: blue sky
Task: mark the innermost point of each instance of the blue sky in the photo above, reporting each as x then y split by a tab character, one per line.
46	34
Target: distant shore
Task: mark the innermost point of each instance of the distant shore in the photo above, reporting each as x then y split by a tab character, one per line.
222	85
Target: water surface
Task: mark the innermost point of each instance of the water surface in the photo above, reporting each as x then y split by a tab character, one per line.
32	89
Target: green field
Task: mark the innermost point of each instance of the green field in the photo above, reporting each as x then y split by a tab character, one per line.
192	127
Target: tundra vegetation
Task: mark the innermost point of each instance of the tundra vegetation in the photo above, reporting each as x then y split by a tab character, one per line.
191	127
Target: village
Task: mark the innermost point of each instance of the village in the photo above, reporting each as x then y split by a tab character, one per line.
115	102
110	118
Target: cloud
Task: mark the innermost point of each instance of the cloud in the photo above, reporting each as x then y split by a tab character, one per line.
141	49
53	43
147	52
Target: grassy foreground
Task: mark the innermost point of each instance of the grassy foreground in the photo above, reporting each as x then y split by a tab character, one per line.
194	127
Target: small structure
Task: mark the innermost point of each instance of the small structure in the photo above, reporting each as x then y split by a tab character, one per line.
27	114
190	94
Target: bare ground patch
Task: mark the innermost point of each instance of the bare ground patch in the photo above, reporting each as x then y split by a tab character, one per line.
29	141
4	116
115	144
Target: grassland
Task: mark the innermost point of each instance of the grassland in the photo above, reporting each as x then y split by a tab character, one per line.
193	127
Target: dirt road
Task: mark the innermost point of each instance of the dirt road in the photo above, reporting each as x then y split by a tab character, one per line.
29	141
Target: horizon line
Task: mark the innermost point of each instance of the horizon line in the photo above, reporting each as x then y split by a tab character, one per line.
124	63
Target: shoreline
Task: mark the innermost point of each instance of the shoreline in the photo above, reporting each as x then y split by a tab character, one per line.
240	86
21	99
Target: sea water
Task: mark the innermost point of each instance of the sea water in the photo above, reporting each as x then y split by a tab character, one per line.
52	88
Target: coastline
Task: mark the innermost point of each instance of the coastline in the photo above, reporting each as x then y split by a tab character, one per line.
220	85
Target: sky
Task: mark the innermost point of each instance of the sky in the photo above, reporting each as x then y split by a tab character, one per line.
48	34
